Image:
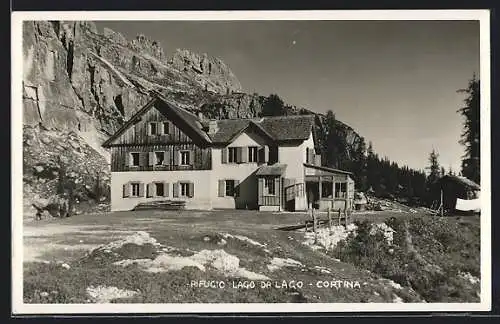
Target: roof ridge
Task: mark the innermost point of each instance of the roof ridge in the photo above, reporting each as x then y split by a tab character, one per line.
288	116
168	101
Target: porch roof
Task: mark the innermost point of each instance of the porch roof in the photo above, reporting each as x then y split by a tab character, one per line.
275	169
330	170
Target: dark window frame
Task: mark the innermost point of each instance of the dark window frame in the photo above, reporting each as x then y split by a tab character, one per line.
185	154
232	154
153	125
133	187
132	159
253	154
183	189
269	183
156	158
157	186
231	190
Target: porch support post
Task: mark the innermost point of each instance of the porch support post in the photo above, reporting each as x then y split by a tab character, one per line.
320	184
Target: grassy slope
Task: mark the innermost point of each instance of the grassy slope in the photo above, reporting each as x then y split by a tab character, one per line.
429	254
186	231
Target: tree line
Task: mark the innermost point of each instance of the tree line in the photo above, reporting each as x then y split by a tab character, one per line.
378	175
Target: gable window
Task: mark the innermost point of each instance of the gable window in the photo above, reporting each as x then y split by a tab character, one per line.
134	189
159	158
160	189
340	189
153	129
269	188
185	158
232	154
253	154
134	158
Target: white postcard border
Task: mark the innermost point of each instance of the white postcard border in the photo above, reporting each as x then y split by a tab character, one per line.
18	307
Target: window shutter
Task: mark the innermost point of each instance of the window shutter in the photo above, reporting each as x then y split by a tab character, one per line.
222	188
224	155
143	158
191	190
166	128
307	155
149	128
244	154
126	190
166	158
261	190
141	189
266	153
166	188
128	160
149	190
238	154
175	186
176	157
191	157
151	158
236	188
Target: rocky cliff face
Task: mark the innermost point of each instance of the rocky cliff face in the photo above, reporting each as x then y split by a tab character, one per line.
79	81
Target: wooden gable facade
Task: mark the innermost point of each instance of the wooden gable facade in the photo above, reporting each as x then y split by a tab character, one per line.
158	139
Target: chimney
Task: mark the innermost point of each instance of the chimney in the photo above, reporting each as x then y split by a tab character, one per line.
212	126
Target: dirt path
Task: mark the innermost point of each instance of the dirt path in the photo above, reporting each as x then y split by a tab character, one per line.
55	241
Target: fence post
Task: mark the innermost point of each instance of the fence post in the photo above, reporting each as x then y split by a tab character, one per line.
340	217
314	225
329	220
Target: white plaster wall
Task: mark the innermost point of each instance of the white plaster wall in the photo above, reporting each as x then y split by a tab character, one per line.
244	172
201	179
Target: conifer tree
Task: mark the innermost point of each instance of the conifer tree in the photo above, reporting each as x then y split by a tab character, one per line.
470	137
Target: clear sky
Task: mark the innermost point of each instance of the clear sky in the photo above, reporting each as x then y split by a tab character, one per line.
394	82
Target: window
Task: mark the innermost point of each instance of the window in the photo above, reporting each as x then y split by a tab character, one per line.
326	189
232	154
153	129
159	158
269	188
159	189
340	189
230	188
185	158
134	189
166	128
134	159
253	154
184	189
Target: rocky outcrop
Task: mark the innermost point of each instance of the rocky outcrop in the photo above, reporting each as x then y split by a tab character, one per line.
210	72
60	164
75	77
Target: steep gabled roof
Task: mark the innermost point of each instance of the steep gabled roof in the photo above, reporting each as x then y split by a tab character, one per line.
229	129
162	104
288	128
283	128
279	129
